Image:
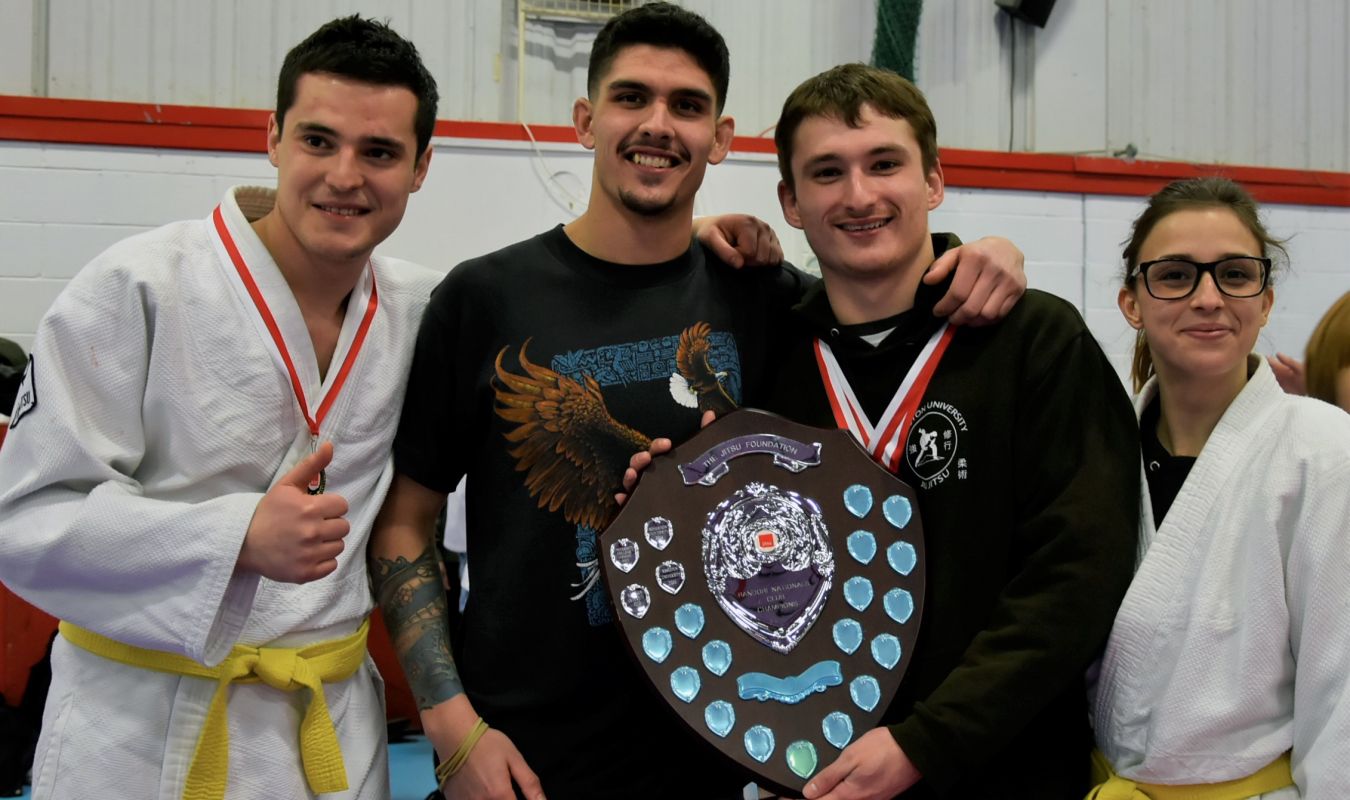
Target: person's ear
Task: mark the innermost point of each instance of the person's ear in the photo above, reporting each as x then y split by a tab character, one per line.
726	131
420	168
936	186
787	198
273	138
583	116
1129	307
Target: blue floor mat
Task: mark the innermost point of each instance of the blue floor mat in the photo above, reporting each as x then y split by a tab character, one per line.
411	774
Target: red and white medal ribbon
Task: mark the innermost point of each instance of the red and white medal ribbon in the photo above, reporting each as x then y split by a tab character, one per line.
885	439
315	419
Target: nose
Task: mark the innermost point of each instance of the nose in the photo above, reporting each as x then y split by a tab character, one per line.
657	123
344	173
860	195
1207	294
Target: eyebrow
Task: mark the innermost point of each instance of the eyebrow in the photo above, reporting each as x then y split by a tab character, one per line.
380	141
1189	257
314	127
639	86
882	150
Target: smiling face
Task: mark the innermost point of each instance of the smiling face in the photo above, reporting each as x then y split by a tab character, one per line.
1207	334
346	162
654	128
861	194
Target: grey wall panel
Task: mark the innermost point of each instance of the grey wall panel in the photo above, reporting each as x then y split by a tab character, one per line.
1329	85
964	69
1233	81
228	52
21	34
1067	102
774	45
1229	81
1236	81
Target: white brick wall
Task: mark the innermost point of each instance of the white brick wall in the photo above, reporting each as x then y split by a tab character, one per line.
63	204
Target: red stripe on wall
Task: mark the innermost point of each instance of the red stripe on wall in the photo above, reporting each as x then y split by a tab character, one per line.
98	122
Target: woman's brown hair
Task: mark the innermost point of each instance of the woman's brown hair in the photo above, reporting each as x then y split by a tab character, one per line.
1328	350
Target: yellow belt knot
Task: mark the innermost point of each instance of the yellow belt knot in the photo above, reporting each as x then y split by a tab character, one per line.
284	669
278	668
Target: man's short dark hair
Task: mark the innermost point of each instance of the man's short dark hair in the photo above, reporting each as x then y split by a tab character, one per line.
662	25
363	50
841	93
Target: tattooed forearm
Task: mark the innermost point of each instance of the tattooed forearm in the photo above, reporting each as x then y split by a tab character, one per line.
412	598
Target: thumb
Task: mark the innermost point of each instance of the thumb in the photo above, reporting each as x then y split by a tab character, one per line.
827	779
304	472
524	777
725	250
940	268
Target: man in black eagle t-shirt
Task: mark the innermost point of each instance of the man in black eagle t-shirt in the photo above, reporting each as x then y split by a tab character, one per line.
539	369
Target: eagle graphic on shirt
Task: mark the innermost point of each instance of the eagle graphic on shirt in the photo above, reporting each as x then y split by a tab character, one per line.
569	446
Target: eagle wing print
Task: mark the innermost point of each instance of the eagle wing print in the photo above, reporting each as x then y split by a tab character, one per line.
565	441
695	374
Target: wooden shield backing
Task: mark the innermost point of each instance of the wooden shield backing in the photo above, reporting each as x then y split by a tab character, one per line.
758	493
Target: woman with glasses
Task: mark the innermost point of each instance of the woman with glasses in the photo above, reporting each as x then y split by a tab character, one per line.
1228	669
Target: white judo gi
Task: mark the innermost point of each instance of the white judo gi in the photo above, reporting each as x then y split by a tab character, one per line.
162	414
1233	642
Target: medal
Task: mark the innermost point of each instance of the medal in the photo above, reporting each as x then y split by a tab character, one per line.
883	439
320	482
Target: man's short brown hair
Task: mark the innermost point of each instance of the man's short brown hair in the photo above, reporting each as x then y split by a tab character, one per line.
841	93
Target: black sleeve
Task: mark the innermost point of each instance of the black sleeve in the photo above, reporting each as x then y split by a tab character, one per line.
1075	475
430	446
793	285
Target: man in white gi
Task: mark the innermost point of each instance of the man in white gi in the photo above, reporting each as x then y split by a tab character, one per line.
192	484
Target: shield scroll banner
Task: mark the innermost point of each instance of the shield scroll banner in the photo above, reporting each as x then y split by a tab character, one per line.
769	579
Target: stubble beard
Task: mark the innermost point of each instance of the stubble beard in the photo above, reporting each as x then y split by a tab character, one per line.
644	207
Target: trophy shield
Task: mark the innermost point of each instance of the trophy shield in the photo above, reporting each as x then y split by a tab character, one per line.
769	581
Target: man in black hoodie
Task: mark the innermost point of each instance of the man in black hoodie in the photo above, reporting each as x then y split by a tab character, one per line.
1018	438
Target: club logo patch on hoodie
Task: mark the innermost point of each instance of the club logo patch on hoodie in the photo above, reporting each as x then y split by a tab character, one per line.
933	448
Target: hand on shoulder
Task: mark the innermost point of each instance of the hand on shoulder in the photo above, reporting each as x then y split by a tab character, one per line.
740	240
988	278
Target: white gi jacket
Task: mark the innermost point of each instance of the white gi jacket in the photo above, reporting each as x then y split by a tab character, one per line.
163	413
1233	642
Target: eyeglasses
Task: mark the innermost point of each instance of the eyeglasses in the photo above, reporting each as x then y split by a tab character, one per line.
1177	278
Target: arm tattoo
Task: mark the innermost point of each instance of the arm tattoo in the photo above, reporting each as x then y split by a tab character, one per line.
412	598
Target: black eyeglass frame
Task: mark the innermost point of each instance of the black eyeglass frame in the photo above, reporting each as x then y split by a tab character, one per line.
1201	269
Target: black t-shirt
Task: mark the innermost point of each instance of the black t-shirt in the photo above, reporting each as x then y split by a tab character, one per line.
535	367
1028	491
1166	473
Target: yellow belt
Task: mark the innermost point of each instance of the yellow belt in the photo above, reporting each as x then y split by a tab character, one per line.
286	669
1110	786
